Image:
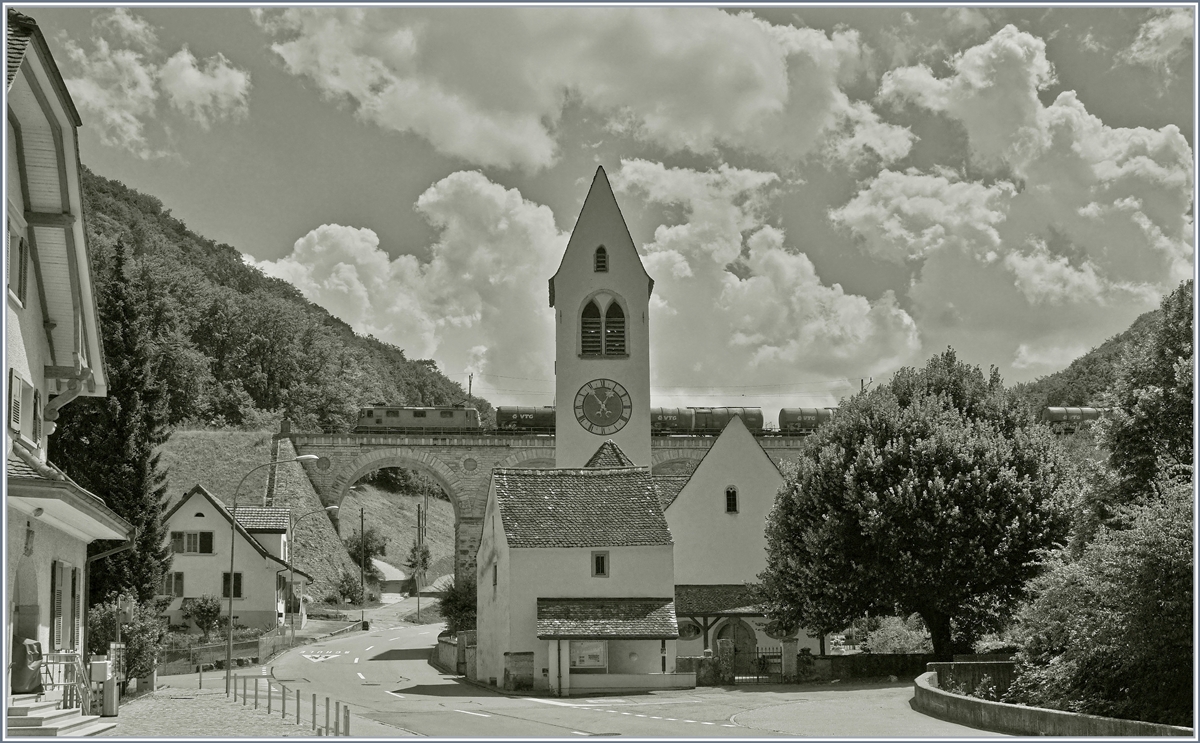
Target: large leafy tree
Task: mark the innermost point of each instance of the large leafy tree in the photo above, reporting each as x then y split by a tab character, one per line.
109	444
932	495
364	547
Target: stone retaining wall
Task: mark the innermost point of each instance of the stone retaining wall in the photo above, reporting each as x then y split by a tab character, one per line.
518	671
967	676
1019	720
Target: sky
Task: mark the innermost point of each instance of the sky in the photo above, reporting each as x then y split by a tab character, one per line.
822	194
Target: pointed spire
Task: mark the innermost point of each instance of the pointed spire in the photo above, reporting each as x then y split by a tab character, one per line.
608	456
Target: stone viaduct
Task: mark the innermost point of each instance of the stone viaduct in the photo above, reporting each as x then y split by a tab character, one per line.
462	464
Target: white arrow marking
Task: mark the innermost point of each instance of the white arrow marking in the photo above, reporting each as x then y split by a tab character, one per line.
364	678
369	648
401	696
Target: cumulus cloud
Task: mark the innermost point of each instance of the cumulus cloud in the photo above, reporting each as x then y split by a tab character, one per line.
490	87
767	316
1166	37
1079	219
479	302
120	81
205	92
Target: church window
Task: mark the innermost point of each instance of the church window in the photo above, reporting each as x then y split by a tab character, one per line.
601	263
614	331
731	499
591	342
600	564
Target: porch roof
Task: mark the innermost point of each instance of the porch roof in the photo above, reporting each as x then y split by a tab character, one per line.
606	619
724	600
34	485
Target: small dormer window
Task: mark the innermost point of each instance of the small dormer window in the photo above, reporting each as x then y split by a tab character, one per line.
601	263
731	499
600	564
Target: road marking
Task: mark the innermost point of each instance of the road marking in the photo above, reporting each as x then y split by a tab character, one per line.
639	715
422	633
729	726
689	720
393	639
550	701
576	732
368	648
708	723
655	718
477	714
401	696
627	713
356	660
362	676
672	719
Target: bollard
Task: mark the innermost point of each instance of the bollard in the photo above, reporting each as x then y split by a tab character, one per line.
255	693
326	713
321	732
200	672
269	690
337	718
245	681
346	724
297	706
314	711
282	702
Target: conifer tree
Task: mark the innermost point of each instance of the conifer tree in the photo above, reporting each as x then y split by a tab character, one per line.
109	444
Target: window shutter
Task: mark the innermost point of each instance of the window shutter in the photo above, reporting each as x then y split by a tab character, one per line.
37	416
614	330
74	608
22	269
591	343
225	585
14	400
56	628
179	584
237	585
206	542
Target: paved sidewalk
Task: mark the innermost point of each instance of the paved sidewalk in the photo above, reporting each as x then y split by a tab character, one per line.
172	712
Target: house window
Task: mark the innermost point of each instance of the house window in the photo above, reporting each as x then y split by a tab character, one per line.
600	564
65	614
614	331
18	267
731	499
24	409
591	327
172	585
601	263
237	585
192	542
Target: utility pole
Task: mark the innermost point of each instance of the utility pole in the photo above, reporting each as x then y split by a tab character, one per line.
362	572
470	380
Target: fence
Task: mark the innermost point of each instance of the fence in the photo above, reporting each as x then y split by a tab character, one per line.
262	693
255	651
760	666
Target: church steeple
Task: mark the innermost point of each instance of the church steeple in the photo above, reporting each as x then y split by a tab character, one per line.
601	296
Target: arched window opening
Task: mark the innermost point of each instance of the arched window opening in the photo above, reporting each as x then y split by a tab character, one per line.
601	260
731	504
614	331
591	340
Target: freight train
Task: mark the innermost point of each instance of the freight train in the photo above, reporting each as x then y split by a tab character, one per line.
1069	420
663	421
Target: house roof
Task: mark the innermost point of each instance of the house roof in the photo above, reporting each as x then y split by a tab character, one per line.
260	518
579	507
19	32
609	455
607	618
735	599
668	487
199	490
43	485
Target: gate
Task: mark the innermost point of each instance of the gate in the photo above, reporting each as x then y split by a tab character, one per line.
758	666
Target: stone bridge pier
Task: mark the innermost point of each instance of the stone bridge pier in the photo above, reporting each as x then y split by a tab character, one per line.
461	465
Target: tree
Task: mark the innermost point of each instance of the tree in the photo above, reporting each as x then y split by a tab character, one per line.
205	613
142	637
349	588
418	561
458	604
1151	426
109	445
932	494
1110	633
898	635
363	546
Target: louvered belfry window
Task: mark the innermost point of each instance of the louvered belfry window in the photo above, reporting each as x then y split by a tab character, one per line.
601	264
614	331
591	338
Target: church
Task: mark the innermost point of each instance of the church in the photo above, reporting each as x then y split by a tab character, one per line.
597	575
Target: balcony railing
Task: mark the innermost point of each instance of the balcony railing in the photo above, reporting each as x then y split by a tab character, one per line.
65	672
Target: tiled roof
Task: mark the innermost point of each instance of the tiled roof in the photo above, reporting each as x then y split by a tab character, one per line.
20	30
609	455
18	467
258	518
580	508
591	618
718	599
668	488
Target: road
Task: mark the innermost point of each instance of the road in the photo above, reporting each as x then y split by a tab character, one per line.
385	676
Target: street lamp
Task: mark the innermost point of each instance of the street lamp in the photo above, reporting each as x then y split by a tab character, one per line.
292	558
232	544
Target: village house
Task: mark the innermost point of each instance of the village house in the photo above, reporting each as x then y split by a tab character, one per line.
54	356
199	530
717	516
575	582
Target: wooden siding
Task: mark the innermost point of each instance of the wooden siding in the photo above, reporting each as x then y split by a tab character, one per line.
41	164
52	252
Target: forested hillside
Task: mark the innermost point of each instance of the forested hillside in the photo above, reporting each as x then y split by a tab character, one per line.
1089	376
235	347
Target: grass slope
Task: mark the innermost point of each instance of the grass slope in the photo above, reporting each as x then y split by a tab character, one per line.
395	516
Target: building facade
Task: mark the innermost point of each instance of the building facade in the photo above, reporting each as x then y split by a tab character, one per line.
54	354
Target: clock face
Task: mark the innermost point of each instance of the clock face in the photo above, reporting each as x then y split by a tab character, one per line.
602	406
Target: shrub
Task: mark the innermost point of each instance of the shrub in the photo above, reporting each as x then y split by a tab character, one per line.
142	637
458	604
205	613
349	588
896	635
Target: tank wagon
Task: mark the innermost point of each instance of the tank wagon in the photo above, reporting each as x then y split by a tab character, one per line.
1069	420
803	420
525	418
382	418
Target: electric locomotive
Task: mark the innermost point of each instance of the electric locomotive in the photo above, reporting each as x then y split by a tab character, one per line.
385	417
